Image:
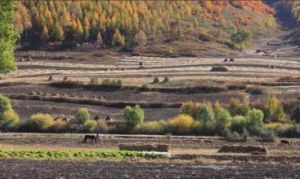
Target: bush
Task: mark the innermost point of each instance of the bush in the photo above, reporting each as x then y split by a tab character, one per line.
151	127
242	39
82	115
205	112
255	117
58	126
10	120
273	110
5	105
223	118
209	127
198	111
235	136
8	117
268	135
182	124
39	122
134	116
236	107
90	125
238	123
296	114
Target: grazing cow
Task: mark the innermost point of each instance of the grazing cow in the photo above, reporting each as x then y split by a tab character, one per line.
92	138
284	142
231	59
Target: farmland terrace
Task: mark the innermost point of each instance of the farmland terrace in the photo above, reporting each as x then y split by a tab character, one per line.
189	79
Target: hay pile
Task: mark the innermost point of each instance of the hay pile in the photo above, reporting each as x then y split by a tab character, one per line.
145	147
243	149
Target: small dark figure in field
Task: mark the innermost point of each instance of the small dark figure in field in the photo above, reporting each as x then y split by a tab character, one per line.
50	78
92	138
96	118
231	59
108	118
166	79
155	80
284	142
225	60
65	78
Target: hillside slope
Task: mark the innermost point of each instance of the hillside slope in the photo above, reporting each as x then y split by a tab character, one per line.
191	28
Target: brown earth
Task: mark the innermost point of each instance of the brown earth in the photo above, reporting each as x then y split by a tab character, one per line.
106	169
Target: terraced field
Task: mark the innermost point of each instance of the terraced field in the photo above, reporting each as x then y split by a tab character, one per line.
32	77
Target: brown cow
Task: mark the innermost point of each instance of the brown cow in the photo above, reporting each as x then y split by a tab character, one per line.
92	138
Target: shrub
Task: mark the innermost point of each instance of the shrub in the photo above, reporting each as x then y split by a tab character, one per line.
134	116
268	135
5	105
273	110
58	126
90	125
242	39
82	115
223	118
235	136
205	112
39	122
296	114
8	117
255	117
182	124
209	127
198	111
10	120
236	107
238	123
151	127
